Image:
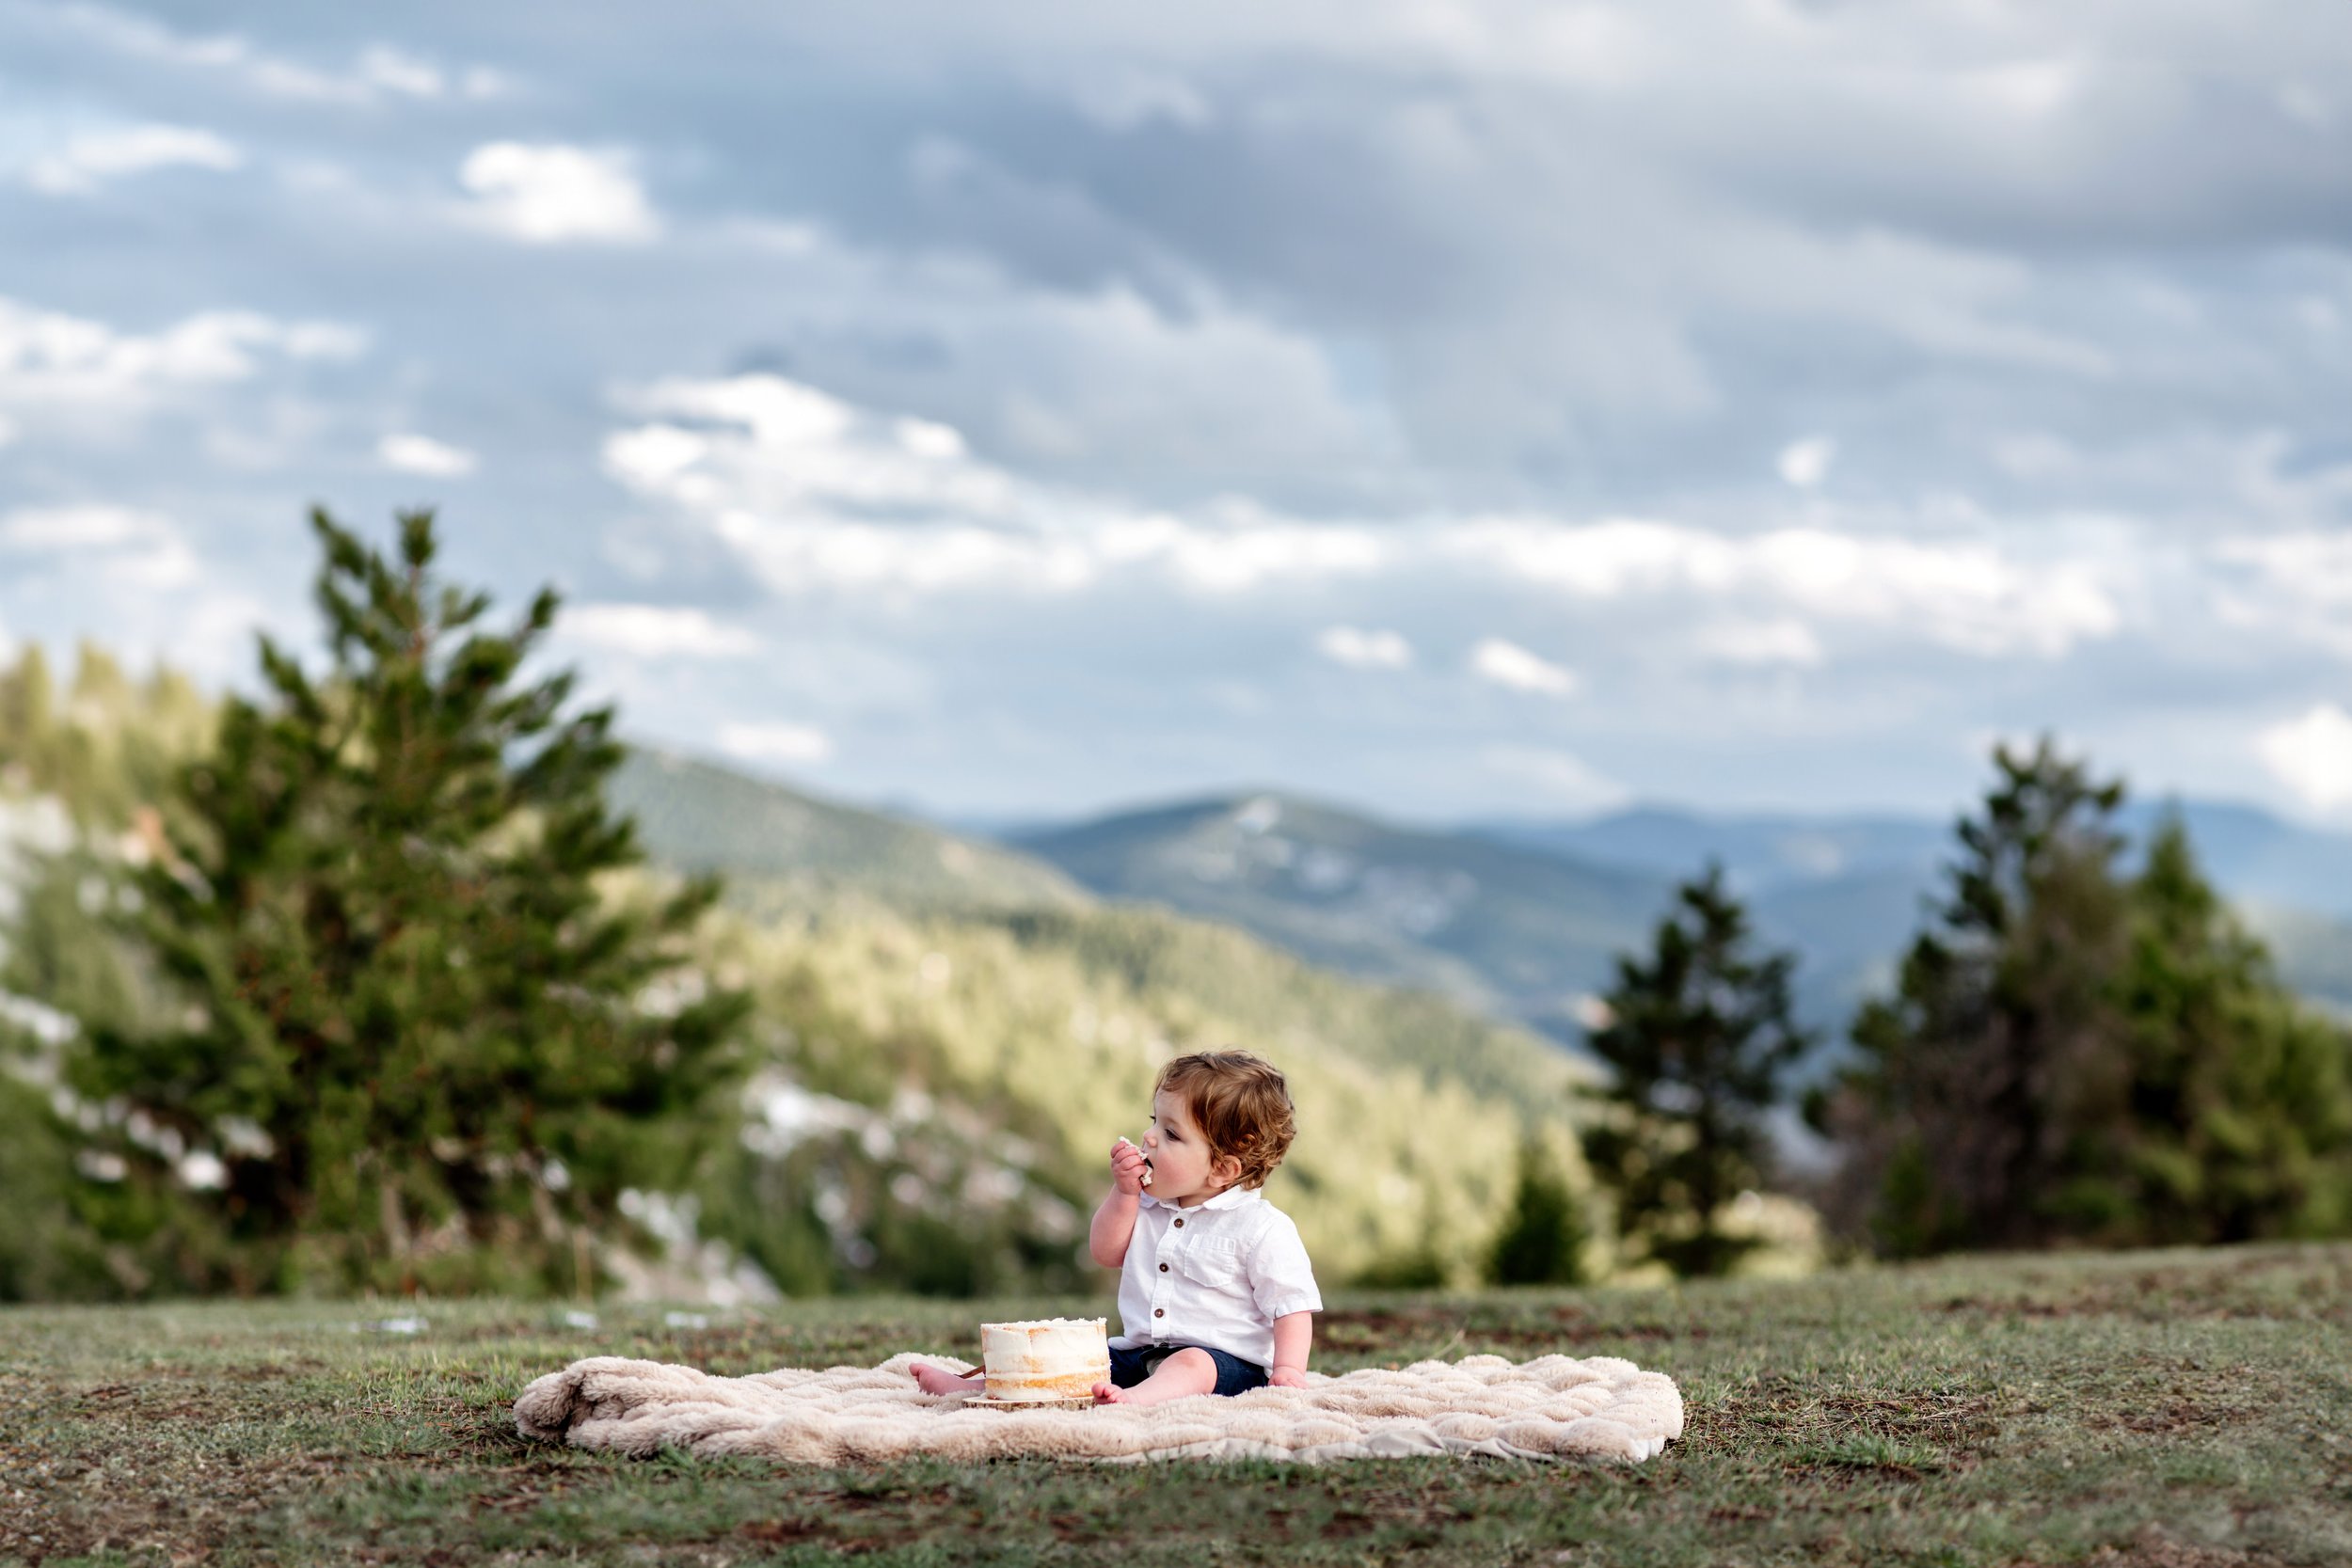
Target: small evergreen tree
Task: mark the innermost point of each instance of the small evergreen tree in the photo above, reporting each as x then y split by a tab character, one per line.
419	1041
1701	1037
1542	1239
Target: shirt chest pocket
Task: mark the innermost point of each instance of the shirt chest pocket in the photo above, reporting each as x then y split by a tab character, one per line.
1215	1265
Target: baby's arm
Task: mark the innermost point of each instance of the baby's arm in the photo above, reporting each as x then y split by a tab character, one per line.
1115	1221
1292	1333
1283	1284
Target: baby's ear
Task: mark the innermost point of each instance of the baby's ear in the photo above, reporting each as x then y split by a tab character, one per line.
1226	1168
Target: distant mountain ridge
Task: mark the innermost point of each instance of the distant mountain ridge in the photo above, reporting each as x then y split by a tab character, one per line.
2253	856
783	844
1757	853
1520	932
1836	886
1527	918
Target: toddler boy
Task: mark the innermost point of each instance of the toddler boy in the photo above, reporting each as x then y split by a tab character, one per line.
1216	1292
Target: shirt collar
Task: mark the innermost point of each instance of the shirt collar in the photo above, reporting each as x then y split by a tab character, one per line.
1231	1197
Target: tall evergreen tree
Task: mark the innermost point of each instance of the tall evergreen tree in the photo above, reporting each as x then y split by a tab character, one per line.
2239	1121
1701	1036
422	1041
1983	1107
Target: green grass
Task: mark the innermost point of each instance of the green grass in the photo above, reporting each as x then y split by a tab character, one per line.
2167	1408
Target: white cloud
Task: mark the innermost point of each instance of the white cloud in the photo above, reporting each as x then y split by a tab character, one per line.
53	364
2311	756
2301	586
1969	596
784	448
2026	89
1361	649
1238	552
380	70
398	72
1565	780
83	527
649	457
132	548
411	454
817	494
775	742
548	193
1785	641
654	631
1510	665
90	161
1804	464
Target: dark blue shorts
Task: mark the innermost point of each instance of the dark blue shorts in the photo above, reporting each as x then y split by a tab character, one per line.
1233	1374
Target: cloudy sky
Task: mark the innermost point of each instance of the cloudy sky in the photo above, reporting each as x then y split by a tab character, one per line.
1450	407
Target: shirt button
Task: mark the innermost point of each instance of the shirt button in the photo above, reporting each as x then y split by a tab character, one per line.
1163	1268
1159	1311
1180	1224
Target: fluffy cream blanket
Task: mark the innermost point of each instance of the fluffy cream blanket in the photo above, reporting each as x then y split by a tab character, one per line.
1551	1408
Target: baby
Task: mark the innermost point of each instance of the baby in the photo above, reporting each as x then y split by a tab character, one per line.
1214	1289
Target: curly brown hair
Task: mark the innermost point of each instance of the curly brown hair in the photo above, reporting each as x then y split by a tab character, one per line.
1241	1105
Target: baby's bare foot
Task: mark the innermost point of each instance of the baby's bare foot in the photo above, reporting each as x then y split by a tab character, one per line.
1109	1393
938	1380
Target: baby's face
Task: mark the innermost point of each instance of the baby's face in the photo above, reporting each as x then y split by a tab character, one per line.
1180	1156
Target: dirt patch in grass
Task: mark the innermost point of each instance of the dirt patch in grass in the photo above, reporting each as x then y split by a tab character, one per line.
2153	1548
2255	1287
1896	1436
2181	1417
143	1499
1559	1330
781	1533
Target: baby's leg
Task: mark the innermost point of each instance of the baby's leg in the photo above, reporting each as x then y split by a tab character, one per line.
1187	1372
939	1380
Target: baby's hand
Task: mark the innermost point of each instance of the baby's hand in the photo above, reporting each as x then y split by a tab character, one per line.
1286	1377
1127	1167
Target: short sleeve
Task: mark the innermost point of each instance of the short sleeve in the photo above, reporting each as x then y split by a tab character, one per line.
1281	1280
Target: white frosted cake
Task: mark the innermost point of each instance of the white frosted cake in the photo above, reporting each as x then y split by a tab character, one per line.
1056	1358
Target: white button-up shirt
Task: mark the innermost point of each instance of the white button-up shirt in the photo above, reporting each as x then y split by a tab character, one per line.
1216	1274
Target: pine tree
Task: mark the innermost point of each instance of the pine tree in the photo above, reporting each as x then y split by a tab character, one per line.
27	720
1984	1109
1542	1239
1701	1036
2240	1113
421	1041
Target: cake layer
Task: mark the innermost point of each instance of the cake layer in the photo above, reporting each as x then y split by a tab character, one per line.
1052	1358
1066	1386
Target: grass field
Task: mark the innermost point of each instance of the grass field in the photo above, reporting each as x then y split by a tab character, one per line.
2164	1408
